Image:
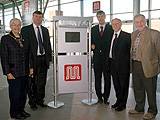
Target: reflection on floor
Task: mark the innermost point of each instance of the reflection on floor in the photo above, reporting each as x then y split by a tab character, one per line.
73	108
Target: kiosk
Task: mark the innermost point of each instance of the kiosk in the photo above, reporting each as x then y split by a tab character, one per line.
71	56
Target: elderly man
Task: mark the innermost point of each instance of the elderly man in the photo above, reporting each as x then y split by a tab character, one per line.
145	66
120	63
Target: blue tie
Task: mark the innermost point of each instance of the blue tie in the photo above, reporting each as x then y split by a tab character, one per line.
40	41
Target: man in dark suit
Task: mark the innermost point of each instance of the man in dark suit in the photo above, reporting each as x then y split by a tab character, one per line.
37	42
120	64
101	36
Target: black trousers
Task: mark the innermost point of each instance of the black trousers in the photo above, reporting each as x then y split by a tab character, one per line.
102	68
37	84
17	95
120	83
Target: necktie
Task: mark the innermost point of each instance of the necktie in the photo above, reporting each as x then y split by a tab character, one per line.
115	39
101	31
135	47
40	41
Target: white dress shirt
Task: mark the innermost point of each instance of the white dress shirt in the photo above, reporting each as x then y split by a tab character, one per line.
36	31
113	37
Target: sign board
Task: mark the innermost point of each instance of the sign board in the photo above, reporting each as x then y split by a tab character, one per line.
96	6
72	72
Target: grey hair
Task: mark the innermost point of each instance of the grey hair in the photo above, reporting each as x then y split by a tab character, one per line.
140	15
13	20
116	19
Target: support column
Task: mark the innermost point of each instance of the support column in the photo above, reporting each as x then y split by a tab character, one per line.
149	13
81	7
136	8
111	10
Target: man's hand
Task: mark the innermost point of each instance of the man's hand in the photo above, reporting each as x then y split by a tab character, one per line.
93	46
10	76
31	72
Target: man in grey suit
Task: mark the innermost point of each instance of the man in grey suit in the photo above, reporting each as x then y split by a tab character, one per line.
145	55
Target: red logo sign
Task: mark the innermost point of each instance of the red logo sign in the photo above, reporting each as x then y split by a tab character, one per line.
72	72
96	6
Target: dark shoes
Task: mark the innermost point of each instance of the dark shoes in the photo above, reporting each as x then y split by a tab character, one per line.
18	117
120	108
106	102
24	113
115	105
33	107
42	105
100	101
21	116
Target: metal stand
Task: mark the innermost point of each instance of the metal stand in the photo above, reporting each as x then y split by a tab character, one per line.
55	103
90	100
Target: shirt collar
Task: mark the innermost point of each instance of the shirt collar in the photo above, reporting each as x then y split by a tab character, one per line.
102	26
117	33
35	26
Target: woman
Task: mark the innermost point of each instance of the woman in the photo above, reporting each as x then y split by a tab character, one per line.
13	66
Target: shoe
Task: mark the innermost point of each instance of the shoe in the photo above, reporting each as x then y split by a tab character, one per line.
135	112
24	113
42	105
18	117
100	101
120	108
148	116
33	107
115	105
106	102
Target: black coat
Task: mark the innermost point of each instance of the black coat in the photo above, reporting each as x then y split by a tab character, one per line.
121	52
31	44
12	56
101	51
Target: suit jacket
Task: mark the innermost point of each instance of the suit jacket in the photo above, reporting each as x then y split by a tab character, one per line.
121	52
150	51
12	56
31	44
101	51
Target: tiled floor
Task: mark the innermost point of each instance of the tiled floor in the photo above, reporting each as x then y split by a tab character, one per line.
73	108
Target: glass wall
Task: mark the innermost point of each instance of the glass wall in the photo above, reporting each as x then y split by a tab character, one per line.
8	13
88	9
17	13
122	9
155	15
71	9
